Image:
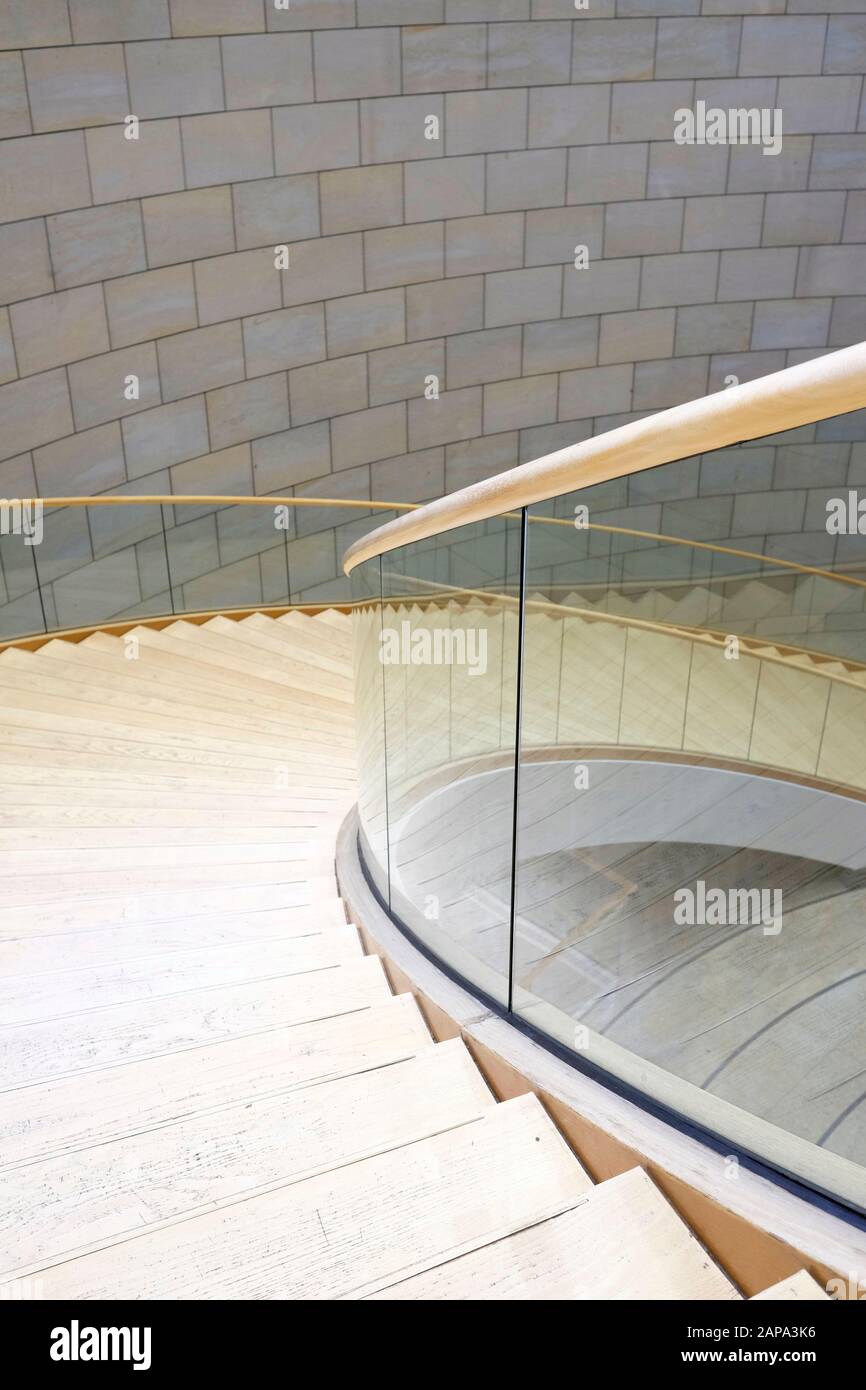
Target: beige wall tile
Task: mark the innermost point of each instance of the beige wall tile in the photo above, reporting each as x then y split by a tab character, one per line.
594	391
285	338
510	405
192	17
399	373
170	433
122	168
445	188
404	255
294	456
34	411
320	136
313	14
371	434
353	199
632	337
43	173
200	360
365	321
248	409
111	21
321	269
98	385
453	306
444	58
59	328
223	148
268	69
491	355
328	389
276	211
85	463
456	415
151	305
244	283
96	244
357	63
25	25
14	110
25	267
395	128
188	226
173	77
84	85
8	367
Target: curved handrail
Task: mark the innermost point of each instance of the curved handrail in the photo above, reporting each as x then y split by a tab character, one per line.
199	499
183	499
784	400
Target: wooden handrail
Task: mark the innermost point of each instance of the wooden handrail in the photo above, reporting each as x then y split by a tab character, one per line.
170	499
814	390
175	500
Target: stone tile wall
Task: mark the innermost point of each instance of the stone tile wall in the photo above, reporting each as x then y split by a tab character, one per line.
409	257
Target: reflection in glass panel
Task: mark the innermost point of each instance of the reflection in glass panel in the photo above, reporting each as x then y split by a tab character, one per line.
227	556
370	721
449	653
691	851
98	564
21	606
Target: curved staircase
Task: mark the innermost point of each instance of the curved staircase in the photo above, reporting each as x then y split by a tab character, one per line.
209	1090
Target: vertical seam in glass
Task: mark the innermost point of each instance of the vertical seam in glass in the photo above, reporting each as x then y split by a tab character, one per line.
167	560
286	554
518	734
39	592
384	734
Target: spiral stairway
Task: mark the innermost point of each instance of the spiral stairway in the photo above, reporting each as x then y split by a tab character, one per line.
209	1090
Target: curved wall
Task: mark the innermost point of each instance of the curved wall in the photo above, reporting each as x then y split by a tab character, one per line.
409	257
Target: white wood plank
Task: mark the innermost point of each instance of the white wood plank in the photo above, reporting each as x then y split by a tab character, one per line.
55	1117
30	998
64	1206
623	1241
125	1032
32	955
163	905
348	1232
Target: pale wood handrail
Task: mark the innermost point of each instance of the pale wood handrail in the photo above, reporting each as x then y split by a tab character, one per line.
814	390
185	499
199	499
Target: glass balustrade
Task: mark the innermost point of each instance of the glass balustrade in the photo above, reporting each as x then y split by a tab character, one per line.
70	566
642	830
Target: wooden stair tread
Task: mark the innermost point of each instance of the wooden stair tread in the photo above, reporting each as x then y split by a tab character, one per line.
622	1241
56	1117
28	955
65	1205
149	1028
156	905
59	993
350	1231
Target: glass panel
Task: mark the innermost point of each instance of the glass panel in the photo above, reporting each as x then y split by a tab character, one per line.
99	564
322	537
691	845
228	556
370	721
20	602
449	654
